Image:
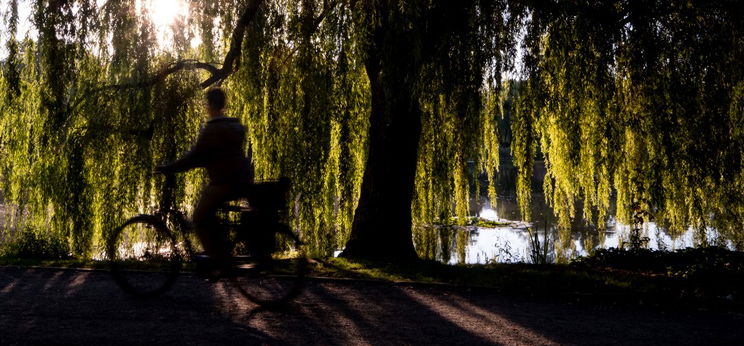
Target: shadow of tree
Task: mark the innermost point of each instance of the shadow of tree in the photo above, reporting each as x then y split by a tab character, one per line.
344	312
44	306
49	306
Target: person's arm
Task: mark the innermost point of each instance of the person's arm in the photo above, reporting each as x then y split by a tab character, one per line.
198	156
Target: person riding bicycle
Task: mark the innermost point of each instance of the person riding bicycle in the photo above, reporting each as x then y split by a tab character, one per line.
220	149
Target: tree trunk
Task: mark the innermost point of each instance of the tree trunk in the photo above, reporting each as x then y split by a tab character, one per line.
382	222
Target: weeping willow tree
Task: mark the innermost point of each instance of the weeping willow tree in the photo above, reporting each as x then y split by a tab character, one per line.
435	71
383	113
94	101
303	92
78	144
637	100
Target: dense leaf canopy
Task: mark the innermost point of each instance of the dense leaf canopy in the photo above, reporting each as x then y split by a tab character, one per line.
638	102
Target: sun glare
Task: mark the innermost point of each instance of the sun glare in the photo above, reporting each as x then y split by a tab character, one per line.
163	14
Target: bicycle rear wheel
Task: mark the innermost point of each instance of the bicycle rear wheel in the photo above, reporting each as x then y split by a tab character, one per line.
143	256
271	282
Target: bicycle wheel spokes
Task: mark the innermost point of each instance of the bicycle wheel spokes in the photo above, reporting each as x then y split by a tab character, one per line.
273	281
144	257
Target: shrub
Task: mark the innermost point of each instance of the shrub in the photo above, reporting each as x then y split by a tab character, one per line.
709	271
31	244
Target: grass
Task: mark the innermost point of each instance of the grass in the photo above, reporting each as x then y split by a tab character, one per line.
490	223
506	278
596	282
56	263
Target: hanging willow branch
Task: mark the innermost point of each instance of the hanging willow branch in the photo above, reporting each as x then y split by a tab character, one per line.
230	64
314	27
232	59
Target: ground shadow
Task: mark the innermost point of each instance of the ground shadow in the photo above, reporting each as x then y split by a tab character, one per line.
48	306
45	306
374	313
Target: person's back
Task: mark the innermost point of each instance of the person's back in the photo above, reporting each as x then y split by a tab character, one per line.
219	149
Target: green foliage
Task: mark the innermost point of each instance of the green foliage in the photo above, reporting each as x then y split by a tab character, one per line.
32	244
483	223
80	141
710	271
681	262
77	157
638	101
461	97
303	93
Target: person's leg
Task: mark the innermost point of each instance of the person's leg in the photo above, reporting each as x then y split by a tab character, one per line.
211	235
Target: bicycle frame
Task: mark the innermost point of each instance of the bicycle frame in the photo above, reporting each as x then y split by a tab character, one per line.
169	215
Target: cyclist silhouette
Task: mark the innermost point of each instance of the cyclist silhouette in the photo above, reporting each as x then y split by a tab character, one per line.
220	149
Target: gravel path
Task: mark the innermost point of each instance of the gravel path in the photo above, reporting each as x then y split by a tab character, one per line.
49	306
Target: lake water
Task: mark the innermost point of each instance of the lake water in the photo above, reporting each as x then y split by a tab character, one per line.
538	242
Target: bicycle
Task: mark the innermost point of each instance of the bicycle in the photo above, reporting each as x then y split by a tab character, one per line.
146	253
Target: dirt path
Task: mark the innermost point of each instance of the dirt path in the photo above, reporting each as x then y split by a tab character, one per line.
47	306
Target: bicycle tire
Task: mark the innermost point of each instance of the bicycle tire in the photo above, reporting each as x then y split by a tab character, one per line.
263	285
143	256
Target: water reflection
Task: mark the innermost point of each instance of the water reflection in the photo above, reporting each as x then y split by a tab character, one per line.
540	242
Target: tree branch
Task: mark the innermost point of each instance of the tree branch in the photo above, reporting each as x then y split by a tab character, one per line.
187	64
217	75
232	59
229	65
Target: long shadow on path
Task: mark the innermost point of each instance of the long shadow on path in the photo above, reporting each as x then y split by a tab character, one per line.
340	313
45	306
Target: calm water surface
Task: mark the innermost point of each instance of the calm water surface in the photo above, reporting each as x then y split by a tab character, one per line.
541	241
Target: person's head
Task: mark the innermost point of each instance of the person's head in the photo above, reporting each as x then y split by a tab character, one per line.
215	102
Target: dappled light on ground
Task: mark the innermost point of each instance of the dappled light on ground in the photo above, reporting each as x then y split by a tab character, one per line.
41	306
478	321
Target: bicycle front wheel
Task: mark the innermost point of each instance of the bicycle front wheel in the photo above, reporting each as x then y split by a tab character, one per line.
143	256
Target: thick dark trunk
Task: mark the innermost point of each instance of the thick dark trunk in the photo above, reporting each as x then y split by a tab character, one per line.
382	221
